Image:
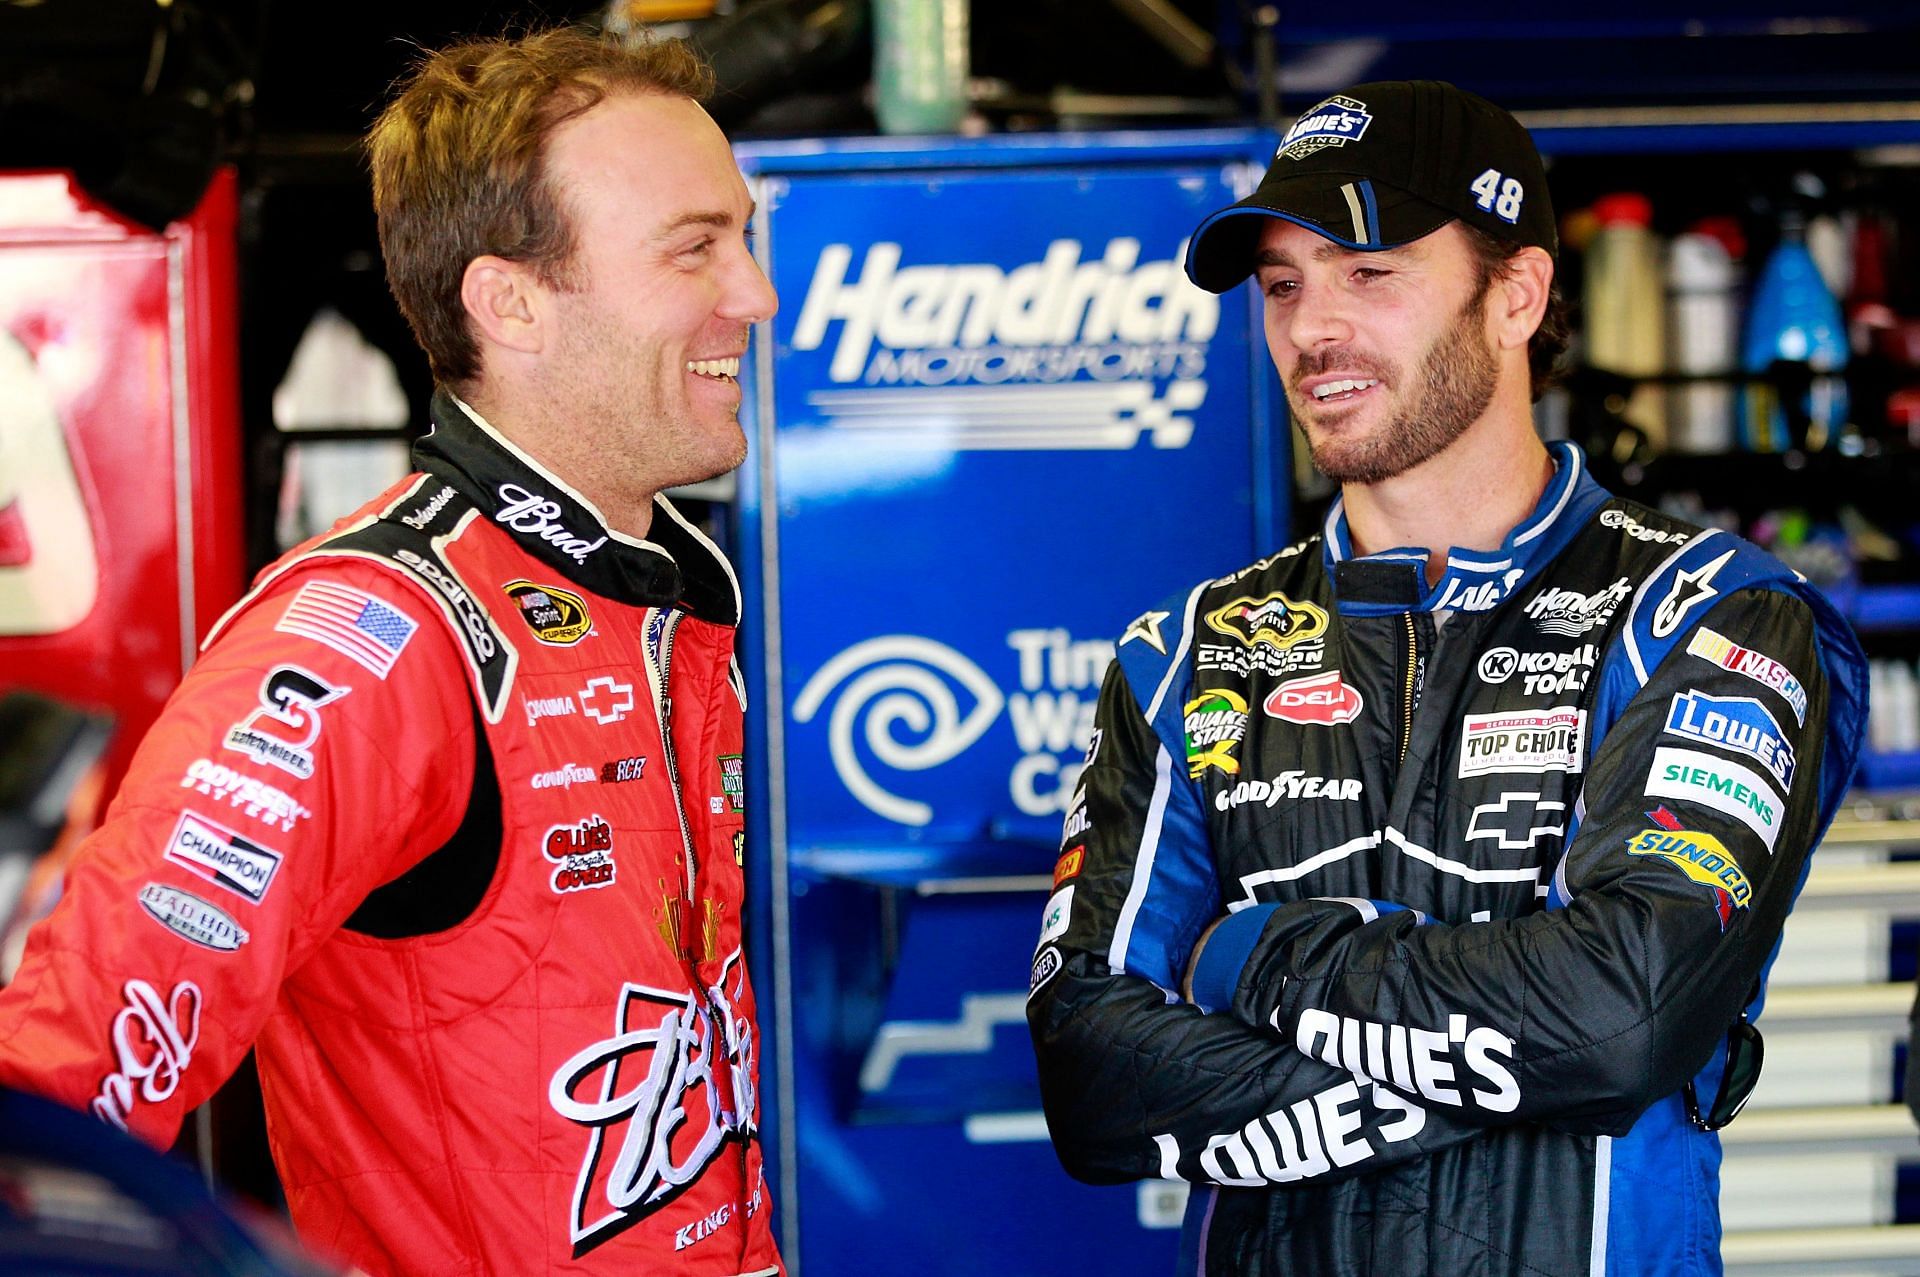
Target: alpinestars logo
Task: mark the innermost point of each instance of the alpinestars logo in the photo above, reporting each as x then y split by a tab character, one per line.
671	1112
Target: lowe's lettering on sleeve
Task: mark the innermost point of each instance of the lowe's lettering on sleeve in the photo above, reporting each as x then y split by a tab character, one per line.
1480	898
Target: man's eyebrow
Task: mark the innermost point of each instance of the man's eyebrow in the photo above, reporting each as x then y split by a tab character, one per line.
717	219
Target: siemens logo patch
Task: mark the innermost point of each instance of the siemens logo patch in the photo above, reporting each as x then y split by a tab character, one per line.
1726	787
222	856
1738	723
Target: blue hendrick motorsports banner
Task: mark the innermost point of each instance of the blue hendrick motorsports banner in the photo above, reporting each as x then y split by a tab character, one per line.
993	425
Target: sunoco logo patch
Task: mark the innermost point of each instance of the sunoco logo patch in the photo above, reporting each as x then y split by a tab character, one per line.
1701	857
557	617
1335	122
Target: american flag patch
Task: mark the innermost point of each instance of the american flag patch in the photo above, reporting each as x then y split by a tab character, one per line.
351	622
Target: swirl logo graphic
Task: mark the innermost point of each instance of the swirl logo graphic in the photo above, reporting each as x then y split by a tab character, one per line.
906	681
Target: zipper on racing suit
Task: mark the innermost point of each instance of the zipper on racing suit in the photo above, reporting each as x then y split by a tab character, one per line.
1409	687
719	1017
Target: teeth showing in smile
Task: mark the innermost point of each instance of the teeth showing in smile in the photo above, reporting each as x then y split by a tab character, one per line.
1329	389
715	367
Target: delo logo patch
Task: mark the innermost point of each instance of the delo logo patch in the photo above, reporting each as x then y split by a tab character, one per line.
1321	701
1335	122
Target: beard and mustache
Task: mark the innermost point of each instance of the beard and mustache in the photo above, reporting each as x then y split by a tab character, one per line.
1452	388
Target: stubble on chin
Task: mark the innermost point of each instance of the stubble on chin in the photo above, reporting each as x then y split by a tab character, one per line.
1455	383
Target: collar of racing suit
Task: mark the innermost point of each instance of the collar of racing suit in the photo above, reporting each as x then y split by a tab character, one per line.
1396	580
677	567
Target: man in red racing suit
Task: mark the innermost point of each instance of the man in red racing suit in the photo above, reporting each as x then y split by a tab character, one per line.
448	819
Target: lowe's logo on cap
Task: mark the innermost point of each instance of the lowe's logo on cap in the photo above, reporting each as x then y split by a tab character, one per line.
1335	122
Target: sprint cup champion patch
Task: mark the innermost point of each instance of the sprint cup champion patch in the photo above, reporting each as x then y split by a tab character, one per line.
557	617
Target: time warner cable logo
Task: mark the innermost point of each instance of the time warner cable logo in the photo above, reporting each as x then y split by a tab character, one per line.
1056	353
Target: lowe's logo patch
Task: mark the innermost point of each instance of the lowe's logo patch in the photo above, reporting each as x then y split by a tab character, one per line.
1739	723
1335	122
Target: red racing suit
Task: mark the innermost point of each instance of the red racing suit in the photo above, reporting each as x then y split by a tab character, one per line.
448	822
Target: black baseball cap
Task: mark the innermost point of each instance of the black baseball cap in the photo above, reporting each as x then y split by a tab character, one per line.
1380	165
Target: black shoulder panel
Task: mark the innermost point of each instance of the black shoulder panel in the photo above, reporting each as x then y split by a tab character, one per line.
411	539
443	890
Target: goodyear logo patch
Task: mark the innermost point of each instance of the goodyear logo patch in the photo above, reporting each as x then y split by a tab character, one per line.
1701	857
557	617
1272	619
1215	722
1335	122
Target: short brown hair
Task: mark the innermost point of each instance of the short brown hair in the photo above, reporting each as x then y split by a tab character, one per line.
1492	258
459	169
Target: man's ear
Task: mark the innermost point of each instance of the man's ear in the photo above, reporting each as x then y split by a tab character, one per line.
1519	296
504	302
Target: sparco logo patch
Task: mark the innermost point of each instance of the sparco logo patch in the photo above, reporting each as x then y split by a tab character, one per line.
1215	722
1273	619
1335	122
1570	613
1321	701
191	918
222	856
1547	740
557	617
583	854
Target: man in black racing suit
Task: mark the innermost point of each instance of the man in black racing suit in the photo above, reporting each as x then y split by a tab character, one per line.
1424	876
